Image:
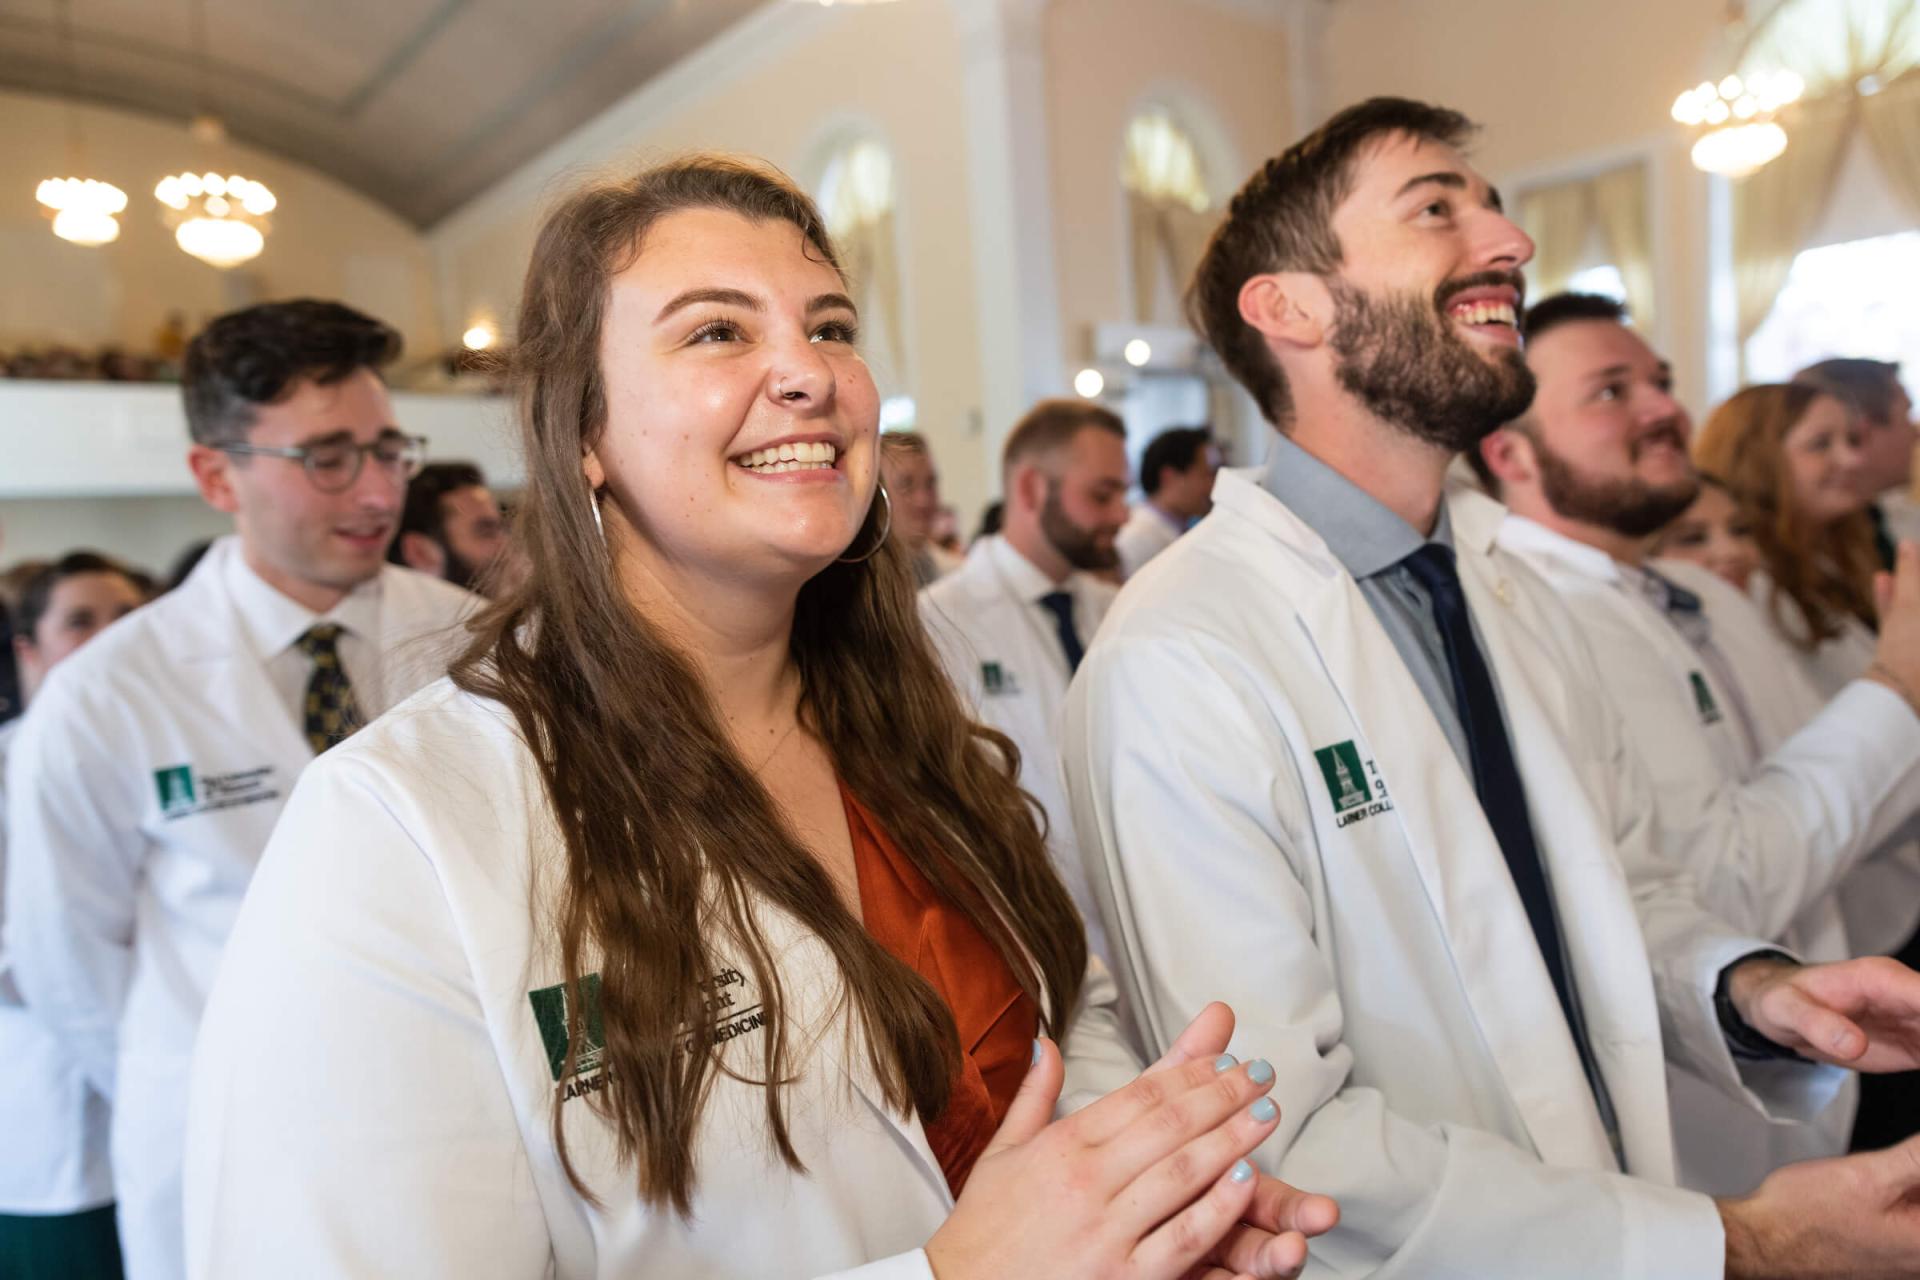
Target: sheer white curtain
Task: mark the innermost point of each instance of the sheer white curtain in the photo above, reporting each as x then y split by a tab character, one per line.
1861	62
1564	218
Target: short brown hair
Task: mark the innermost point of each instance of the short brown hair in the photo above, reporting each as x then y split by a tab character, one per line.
1282	220
1052	423
251	357
1868	385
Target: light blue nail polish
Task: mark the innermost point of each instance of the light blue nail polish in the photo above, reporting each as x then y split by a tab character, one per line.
1260	1071
1036	1053
1225	1062
1242	1171
1264	1110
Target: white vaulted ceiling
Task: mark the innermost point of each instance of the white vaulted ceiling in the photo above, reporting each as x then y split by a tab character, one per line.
419	104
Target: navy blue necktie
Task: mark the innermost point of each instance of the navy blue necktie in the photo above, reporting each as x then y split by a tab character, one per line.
1496	778
1060	605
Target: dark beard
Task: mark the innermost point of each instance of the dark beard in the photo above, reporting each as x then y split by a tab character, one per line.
1630	507
1075	544
1400	357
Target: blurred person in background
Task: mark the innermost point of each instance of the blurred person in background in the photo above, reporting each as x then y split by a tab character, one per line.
1013	622
1176	474
1792	458
12	699
141	790
1887	439
56	1186
1713	533
451	527
913	492
1791	815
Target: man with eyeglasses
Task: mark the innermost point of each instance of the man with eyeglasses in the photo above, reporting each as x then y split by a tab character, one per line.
154	763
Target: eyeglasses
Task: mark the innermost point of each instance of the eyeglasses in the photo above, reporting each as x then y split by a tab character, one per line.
333	465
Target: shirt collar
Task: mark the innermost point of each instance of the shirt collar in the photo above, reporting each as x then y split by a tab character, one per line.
274	621
1358	529
1026	579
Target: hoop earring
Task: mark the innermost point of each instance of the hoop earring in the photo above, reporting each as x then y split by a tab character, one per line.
886	527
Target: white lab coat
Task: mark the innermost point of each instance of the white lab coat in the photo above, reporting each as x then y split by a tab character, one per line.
373	1093
142	788
54	1159
1145	535
1832	663
1769	838
1002	651
1278	820
1880	899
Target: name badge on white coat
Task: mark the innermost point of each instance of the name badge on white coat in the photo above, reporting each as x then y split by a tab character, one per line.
184	791
732	1010
1355	786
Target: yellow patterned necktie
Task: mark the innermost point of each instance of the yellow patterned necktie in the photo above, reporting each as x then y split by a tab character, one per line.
331	713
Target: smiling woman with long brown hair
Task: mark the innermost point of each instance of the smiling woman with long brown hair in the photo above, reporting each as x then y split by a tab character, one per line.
1790	456
690	928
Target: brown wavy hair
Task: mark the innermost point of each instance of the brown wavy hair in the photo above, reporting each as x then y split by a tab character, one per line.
670	839
1826	571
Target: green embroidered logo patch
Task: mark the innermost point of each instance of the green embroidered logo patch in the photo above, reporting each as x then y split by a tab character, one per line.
550	1012
1703	699
175	786
1346	779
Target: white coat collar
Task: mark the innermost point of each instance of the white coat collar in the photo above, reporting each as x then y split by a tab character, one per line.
1525	537
1022	575
271	621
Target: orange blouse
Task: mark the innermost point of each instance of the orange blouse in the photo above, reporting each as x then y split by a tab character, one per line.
997	1020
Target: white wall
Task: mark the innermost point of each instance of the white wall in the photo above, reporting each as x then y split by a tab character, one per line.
780	86
1561	88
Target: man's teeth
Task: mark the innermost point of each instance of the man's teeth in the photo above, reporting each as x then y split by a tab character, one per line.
1486	313
805	456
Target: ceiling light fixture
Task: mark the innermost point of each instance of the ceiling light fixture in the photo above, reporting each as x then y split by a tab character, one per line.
1736	115
83	209
220	220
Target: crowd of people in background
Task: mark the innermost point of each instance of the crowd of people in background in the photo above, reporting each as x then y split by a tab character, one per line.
702	862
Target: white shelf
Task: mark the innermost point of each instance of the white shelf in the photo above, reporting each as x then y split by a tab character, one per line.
103	440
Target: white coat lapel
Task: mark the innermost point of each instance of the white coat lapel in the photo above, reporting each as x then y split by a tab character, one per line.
822	1014
214	659
1590	888
1440	826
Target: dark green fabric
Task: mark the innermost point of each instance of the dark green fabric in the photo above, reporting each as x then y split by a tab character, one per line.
61	1246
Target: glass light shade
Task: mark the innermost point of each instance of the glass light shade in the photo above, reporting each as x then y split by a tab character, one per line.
84	209
220	242
1738	150
86	227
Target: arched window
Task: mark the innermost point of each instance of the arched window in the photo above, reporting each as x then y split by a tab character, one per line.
857	197
1162	162
1170	210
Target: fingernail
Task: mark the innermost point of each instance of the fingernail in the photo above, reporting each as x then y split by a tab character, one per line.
1264	1110
1036	1053
1225	1062
1260	1071
1242	1171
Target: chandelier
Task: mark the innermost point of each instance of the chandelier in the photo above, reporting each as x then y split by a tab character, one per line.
1737	115
83	209
220	220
